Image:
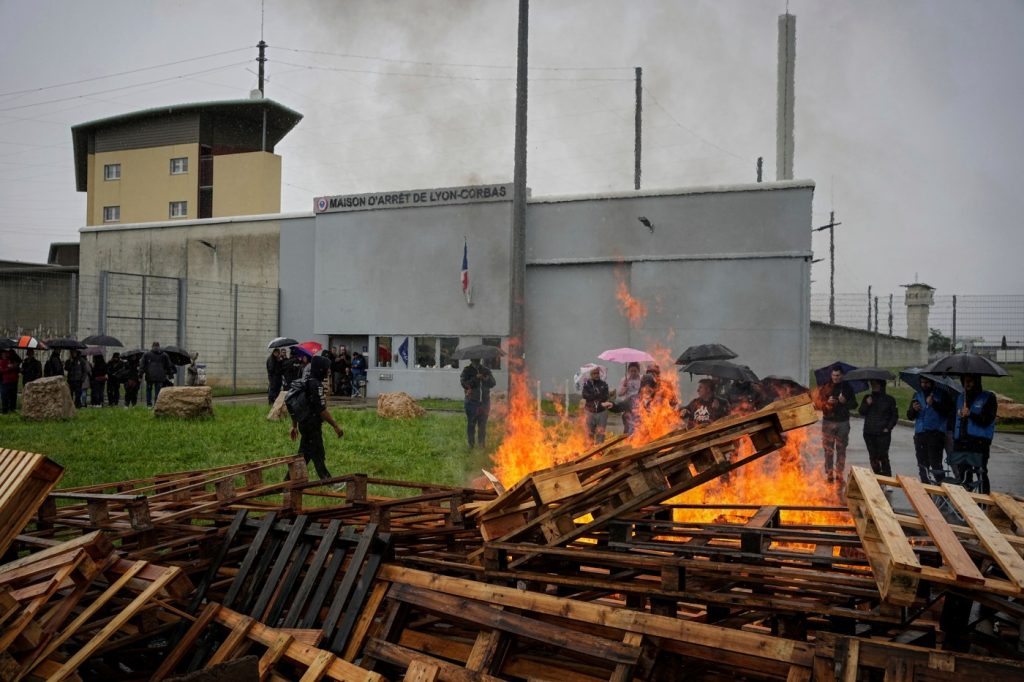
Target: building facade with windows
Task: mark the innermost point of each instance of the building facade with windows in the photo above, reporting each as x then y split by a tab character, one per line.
203	160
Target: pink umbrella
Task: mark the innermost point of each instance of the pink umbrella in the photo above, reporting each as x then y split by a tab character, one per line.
310	348
625	355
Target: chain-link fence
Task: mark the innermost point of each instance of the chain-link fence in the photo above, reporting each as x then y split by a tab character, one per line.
981	321
228	325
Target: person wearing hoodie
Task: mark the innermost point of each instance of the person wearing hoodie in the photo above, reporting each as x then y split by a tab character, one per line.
311	445
53	367
78	373
880	416
31	368
974	424
97	380
930	410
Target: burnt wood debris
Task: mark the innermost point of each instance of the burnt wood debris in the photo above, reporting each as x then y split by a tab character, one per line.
587	570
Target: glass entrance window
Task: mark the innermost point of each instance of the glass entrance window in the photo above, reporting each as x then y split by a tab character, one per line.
426	352
384	351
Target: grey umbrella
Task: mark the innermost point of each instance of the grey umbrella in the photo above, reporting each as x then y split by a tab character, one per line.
722	369
869	374
478	352
965	363
66	344
102	340
705	351
282	342
912	377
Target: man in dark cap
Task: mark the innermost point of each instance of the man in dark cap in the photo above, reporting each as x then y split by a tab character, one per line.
311	445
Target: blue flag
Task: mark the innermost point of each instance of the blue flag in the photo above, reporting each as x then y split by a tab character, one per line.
403	351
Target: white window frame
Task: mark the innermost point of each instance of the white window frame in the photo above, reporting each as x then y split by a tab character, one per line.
184	165
108	171
171	206
111	214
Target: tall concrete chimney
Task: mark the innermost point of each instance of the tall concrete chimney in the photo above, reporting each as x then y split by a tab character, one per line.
785	98
919	299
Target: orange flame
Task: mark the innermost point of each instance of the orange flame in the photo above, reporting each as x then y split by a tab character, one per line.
529	444
633	309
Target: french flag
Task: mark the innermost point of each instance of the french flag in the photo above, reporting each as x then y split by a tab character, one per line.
466	291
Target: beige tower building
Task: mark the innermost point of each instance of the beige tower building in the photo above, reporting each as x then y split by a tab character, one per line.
187	161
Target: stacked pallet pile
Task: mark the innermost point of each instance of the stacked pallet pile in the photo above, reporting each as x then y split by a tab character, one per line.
585	571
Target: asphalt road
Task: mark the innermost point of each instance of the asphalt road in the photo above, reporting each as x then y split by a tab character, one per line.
1006	464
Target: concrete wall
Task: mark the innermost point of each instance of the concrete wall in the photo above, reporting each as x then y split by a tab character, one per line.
727	265
146	187
857	347
246	184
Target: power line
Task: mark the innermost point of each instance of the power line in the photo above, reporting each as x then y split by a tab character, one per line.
124	87
689	130
121	73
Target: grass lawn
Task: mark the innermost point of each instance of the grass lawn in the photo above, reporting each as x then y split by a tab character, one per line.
116	444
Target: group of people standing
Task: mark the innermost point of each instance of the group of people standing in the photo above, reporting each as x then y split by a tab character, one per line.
636	394
346	371
961	425
92	380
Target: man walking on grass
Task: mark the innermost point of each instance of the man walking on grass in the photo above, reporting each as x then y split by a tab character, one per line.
308	425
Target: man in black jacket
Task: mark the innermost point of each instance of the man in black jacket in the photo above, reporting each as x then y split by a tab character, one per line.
835	400
115	369
54	367
974	424
596	402
156	368
275	365
477	382
311	445
31	368
880	414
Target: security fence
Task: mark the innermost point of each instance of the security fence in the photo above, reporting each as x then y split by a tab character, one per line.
228	325
978	322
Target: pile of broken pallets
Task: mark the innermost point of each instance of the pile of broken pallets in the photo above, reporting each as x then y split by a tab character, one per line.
589	570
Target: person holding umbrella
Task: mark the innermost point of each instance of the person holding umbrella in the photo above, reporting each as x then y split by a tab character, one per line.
477	382
53	367
156	368
835	398
114	368
77	369
629	391
311	444
97	380
275	367
930	410
31	368
880	416
973	428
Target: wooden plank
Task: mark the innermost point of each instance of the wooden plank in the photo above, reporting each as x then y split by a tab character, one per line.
899	551
989	536
485	648
422	671
274	653
746	644
238	636
953	553
1012	508
366	618
553	486
186	643
318	667
400	656
115	623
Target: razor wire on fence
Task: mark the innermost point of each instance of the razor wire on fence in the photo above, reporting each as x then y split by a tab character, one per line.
228	325
967	321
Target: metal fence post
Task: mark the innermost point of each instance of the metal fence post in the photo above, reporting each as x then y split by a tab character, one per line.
952	339
234	351
876	331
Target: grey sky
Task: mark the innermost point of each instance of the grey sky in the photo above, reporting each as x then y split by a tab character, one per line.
907	113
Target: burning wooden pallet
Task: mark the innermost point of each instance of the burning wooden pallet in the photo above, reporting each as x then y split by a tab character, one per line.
566	502
981	555
25	480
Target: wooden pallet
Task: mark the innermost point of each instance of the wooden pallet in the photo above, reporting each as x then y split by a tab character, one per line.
298	574
982	556
25	480
285	654
551	507
73	600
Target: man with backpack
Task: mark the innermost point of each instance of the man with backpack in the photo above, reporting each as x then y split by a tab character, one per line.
307	406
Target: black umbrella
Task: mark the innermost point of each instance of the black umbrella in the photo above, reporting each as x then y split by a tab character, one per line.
64	344
912	377
478	352
102	340
8	343
705	351
965	363
282	342
133	352
178	355
869	374
723	369
823	375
